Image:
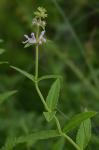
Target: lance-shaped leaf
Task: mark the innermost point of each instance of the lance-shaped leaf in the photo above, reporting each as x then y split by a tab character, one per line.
84	134
41	135
50	77
26	74
6	95
76	120
53	95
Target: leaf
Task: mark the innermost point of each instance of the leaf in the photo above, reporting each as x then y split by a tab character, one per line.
84	134
76	120
26	74
12	142
49	77
39	136
6	95
49	115
53	95
2	51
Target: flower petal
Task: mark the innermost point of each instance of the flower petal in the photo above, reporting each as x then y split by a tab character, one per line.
24	42
26	36
42	34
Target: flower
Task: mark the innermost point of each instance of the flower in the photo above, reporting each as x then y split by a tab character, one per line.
38	22
35	21
40	13
32	40
41	38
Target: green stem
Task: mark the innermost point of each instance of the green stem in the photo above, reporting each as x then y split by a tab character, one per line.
56	119
43	100
36	63
41	96
36	73
37	55
64	135
71	141
58	125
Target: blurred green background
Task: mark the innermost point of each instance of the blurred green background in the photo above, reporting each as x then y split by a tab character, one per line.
73	31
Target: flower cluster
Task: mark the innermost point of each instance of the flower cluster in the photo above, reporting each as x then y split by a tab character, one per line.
40	13
38	21
32	40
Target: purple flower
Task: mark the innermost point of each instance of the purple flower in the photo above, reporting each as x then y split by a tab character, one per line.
41	37
30	40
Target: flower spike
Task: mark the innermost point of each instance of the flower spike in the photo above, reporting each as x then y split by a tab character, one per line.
39	22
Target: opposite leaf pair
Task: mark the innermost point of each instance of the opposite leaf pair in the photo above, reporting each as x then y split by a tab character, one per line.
52	100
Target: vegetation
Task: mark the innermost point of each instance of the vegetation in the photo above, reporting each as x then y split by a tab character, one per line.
62	50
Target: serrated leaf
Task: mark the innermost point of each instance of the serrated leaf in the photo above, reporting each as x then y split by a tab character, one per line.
84	134
41	135
53	95
49	115
6	95
26	74
76	120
